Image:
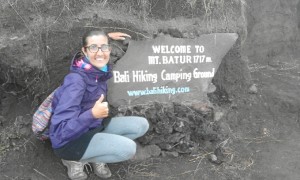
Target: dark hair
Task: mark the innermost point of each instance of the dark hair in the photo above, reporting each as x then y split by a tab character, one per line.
92	33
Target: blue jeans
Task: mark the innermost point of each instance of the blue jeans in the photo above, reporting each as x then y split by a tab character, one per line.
115	143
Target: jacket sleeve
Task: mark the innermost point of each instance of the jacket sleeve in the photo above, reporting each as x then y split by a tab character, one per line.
67	121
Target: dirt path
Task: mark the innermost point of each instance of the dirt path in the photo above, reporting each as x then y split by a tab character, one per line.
278	160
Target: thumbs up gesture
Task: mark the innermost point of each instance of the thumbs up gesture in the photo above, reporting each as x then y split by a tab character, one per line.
100	109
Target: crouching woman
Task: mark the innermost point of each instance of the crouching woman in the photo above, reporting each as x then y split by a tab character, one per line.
80	130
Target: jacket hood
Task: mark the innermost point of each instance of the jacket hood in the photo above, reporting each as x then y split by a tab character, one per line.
80	64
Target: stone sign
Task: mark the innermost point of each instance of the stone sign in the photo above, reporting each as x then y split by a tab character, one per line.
168	69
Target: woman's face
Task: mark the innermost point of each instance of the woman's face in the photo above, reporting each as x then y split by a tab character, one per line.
98	59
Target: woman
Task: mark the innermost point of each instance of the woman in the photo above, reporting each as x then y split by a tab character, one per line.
81	131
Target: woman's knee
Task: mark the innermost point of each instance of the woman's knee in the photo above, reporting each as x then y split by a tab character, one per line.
129	126
142	123
145	125
127	150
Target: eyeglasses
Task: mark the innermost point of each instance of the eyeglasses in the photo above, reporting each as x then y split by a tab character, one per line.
94	48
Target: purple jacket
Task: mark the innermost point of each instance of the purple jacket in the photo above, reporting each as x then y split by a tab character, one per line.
73	101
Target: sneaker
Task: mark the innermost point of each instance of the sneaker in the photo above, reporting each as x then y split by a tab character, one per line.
75	169
101	170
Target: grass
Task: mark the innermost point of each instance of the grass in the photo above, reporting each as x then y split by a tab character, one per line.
12	138
138	169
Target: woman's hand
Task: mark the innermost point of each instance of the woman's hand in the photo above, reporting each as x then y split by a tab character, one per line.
100	109
118	35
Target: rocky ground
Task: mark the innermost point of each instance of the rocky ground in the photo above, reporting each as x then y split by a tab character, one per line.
251	131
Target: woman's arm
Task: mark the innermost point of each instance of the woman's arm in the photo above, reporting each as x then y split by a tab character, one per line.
67	121
118	35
